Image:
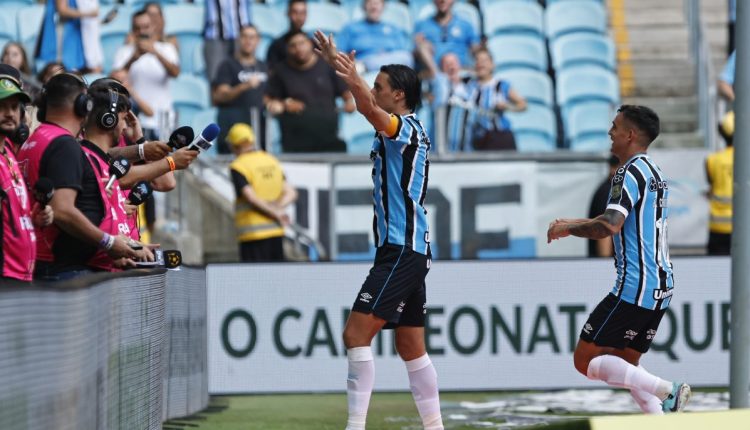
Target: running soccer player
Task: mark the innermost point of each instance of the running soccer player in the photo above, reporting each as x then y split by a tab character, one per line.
623	325
393	294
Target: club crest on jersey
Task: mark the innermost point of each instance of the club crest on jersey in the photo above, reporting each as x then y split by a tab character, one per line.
616	191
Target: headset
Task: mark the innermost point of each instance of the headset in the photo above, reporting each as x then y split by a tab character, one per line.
81	106
21	133
107	118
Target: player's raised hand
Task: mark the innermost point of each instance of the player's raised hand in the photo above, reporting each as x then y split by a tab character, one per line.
345	67
325	46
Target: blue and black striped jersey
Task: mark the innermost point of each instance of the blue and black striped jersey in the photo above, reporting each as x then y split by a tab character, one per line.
644	271
399	175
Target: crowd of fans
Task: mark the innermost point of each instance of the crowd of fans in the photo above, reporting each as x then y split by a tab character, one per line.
291	83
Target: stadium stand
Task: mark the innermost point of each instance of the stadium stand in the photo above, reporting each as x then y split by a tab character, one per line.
114	34
572	16
464	10
583	48
328	17
588	126
270	22
185	21
357	132
534	129
513	16
394	13
518	51
535	87
190	95
200	120
29	21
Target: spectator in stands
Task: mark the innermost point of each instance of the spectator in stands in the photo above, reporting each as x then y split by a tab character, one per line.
731	25
377	43
263	194
720	175
302	91
138	104
157	17
48	71
14	55
726	79
224	19
490	98
277	51
446	85
91	36
18	241
239	86
48	46
150	65
53	152
602	247
447	32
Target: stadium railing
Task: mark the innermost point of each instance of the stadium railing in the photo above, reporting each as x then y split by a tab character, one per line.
122	351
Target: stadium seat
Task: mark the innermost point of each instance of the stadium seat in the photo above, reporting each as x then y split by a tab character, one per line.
534	86
587	126
357	132
583	48
464	10
114	34
29	24
190	95
268	19
586	83
534	129
396	14
571	16
199	62
91	77
200	120
328	17
185	21
8	23
517	16
518	51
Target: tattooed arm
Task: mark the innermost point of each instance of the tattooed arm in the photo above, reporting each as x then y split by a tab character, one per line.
605	225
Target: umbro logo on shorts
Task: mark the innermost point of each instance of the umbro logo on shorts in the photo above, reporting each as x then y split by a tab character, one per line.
400	307
365	297
630	334
650	333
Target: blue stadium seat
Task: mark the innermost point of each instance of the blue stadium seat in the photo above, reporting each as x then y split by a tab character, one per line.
114	34
586	83
464	10
91	77
268	19
587	126
583	48
357	132
534	129
328	17
199	62
534	86
516	16
200	120
396	14
518	51
571	16
29	24
190	95
185	21
9	23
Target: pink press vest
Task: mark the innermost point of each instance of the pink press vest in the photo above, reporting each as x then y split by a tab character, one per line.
135	234
29	157
19	240
115	221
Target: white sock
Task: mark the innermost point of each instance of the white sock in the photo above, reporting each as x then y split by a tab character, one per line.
619	373
648	402
359	383
424	389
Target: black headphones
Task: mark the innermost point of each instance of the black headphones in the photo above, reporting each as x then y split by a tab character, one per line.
81	106
107	118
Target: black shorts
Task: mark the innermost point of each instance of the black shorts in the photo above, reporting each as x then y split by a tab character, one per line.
395	288
618	324
262	251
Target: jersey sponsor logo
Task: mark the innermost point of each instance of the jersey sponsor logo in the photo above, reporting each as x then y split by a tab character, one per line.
429	263
662	294
621	170
616	191
427	236
630	334
617	179
655	185
365	297
650	334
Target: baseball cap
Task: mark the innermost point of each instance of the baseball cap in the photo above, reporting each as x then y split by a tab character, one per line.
240	133
10	84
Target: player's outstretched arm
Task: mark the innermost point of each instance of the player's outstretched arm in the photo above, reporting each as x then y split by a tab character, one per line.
605	225
347	71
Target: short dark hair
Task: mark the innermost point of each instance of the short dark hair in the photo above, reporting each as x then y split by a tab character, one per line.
404	78
292	34
100	96
643	118
138	13
62	89
291	2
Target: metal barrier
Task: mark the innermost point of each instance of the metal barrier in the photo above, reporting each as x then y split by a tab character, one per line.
103	351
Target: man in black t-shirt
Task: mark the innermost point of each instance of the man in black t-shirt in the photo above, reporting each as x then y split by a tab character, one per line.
302	91
297	14
238	88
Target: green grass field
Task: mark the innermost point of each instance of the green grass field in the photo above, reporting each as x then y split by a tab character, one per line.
325	411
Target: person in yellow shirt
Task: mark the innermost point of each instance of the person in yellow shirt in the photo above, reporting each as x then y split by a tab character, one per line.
719	172
263	195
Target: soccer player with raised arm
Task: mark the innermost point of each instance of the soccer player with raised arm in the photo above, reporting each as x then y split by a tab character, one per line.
393	294
623	325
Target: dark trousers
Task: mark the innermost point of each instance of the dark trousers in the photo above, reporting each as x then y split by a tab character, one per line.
265	250
719	243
